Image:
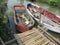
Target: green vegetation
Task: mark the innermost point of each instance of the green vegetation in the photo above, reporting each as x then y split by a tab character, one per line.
53	2
4	31
1	1
32	0
2	16
50	2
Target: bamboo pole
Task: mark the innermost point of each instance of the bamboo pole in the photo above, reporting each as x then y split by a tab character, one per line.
2	41
49	35
10	41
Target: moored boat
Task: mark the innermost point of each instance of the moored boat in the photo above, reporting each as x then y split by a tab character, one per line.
22	19
48	19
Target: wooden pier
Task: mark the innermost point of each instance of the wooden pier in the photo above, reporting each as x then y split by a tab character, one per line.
36	36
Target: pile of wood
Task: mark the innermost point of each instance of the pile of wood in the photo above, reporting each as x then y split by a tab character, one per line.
34	37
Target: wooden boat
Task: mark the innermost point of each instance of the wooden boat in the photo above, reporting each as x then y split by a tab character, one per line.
22	19
36	36
48	19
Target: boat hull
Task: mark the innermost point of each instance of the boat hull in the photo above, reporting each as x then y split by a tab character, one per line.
47	14
21	27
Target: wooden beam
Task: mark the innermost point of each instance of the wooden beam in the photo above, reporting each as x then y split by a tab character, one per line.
10	41
2	41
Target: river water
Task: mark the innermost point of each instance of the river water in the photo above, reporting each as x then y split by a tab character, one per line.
54	10
11	3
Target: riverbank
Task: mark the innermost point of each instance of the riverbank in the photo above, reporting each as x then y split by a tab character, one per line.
52	9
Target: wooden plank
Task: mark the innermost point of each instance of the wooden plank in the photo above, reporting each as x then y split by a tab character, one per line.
2	41
32	37
53	39
25	33
32	40
10	41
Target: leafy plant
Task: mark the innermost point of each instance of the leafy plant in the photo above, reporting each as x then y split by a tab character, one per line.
3	22
53	2
32	0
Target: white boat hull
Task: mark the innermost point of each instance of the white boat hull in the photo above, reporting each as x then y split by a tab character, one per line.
50	27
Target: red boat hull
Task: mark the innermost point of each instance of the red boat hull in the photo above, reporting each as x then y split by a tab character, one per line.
48	14
22	28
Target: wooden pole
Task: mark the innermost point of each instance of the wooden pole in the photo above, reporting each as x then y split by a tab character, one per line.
10	41
2	41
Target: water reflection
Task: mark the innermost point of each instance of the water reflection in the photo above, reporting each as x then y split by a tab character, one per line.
55	34
11	3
